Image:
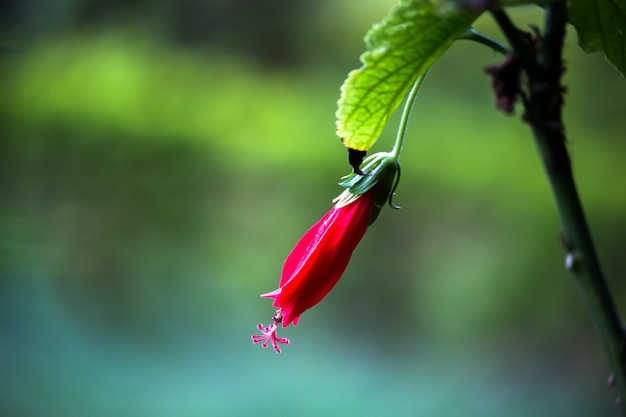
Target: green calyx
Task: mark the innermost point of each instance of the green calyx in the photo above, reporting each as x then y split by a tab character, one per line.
381	169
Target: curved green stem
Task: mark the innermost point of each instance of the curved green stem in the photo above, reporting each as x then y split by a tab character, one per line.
406	114
472	35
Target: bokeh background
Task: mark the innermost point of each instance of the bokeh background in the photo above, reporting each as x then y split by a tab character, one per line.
159	160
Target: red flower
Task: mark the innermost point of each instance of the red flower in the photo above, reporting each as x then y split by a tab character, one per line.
317	262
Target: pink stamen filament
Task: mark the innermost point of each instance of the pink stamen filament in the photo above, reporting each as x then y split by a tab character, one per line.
268	334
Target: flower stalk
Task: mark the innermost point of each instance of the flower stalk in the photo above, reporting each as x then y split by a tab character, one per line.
406	114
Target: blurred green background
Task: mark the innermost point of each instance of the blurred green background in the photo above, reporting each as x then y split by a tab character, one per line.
159	160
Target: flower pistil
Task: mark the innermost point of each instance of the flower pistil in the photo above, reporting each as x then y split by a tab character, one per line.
268	333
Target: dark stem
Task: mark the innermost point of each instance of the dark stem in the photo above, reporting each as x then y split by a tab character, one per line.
518	43
543	113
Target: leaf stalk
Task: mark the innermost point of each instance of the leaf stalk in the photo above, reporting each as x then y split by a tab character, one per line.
472	35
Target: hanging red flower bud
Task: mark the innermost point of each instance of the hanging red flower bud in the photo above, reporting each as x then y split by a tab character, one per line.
321	256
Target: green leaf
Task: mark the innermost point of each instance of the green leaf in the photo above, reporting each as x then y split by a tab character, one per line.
400	49
601	27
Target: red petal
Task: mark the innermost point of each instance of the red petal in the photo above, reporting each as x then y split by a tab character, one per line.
320	258
299	254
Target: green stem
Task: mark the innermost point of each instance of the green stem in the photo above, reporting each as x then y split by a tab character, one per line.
472	35
406	114
543	113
